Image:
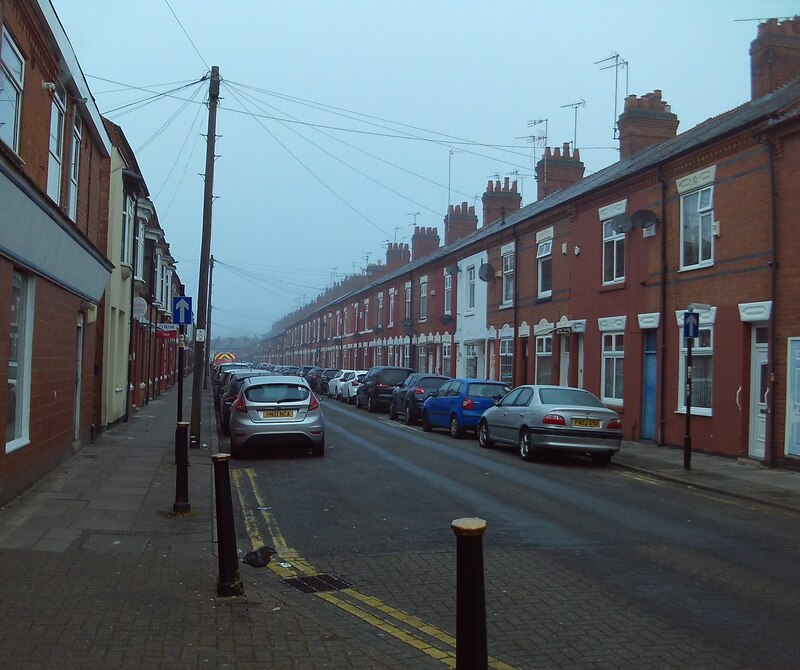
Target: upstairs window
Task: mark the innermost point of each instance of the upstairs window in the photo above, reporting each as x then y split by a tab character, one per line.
12	74
448	293
56	159
423	301
697	216
408	300
380	310
508	278
391	307
544	260
613	255
471	287
74	167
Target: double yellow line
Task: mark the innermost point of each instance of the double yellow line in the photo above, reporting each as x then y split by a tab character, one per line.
401	625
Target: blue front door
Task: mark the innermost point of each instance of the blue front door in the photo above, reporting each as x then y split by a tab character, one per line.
649	390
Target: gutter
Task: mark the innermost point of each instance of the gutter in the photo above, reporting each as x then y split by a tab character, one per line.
663	307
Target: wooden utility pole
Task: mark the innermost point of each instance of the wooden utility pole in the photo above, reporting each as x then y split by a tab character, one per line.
205	255
208	325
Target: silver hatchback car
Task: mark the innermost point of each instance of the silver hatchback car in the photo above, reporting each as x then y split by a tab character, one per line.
276	410
537	418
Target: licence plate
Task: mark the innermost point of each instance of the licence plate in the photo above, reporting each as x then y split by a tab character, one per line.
277	414
586	423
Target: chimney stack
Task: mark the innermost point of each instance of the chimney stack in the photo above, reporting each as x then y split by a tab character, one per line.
459	222
424	241
558	169
774	55
397	255
498	200
646	121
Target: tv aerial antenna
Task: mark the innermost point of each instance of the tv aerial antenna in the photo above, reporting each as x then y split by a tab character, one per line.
575	106
618	63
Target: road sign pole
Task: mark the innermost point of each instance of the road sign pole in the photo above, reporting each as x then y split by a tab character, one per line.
687	438
181	366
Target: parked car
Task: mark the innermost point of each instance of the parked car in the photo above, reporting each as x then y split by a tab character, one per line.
305	369
407	398
348	391
536	418
292	371
335	384
218	378
376	390
230	392
276	410
459	403
325	379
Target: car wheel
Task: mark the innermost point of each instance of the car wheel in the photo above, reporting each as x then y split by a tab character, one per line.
426	425
410	415
602	459
318	450
456	431
370	405
483	435
392	411
525	446
351	400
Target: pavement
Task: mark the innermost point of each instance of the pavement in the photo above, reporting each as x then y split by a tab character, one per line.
96	570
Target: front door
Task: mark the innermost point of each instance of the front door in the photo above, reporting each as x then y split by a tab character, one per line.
649	384
759	388
563	360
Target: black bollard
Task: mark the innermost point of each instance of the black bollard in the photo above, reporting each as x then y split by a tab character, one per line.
181	504
471	651
229	582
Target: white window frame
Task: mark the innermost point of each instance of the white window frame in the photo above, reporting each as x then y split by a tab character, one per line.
55	145
128	215
391	307
544	264
706	352
447	352
507	297
544	351
24	309
612	367
17	84
507	360
139	270
366	314
407	355
422	358
613	248
423	299
448	293
702	227
470	287
380	310
74	167
408	301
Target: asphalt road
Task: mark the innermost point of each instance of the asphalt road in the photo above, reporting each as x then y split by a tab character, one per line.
584	566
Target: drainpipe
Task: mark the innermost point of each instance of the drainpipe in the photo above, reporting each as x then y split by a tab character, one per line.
516	300
769	441
663	307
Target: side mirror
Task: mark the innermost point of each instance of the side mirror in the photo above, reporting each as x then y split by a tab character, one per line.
432	394
495	402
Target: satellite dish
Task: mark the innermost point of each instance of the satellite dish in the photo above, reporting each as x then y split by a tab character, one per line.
644	218
485	272
453	269
621	223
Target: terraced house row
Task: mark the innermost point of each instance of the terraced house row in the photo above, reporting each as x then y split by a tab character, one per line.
588	286
86	275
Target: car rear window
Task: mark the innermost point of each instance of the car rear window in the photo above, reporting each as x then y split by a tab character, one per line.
277	393
565	396
393	376
361	376
487	390
432	383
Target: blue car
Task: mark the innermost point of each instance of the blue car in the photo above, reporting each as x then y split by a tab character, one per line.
459	404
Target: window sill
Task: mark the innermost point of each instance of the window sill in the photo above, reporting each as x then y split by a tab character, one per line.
700	266
696	411
17	444
615	286
505	305
544	298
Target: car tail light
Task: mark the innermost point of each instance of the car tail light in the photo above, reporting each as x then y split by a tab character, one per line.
355	382
239	405
419	391
554	420
615	424
467	403
314	404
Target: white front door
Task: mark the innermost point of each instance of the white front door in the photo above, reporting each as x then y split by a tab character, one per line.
563	366
759	386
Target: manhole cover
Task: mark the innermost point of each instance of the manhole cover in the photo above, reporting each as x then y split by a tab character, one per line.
317	583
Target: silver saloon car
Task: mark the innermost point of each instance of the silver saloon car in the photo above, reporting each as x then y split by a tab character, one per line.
537	418
276	410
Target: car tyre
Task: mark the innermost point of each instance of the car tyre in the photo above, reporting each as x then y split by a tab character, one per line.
426	424
371	405
601	459
318	450
410	415
456	431
392	410
526	449
483	435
